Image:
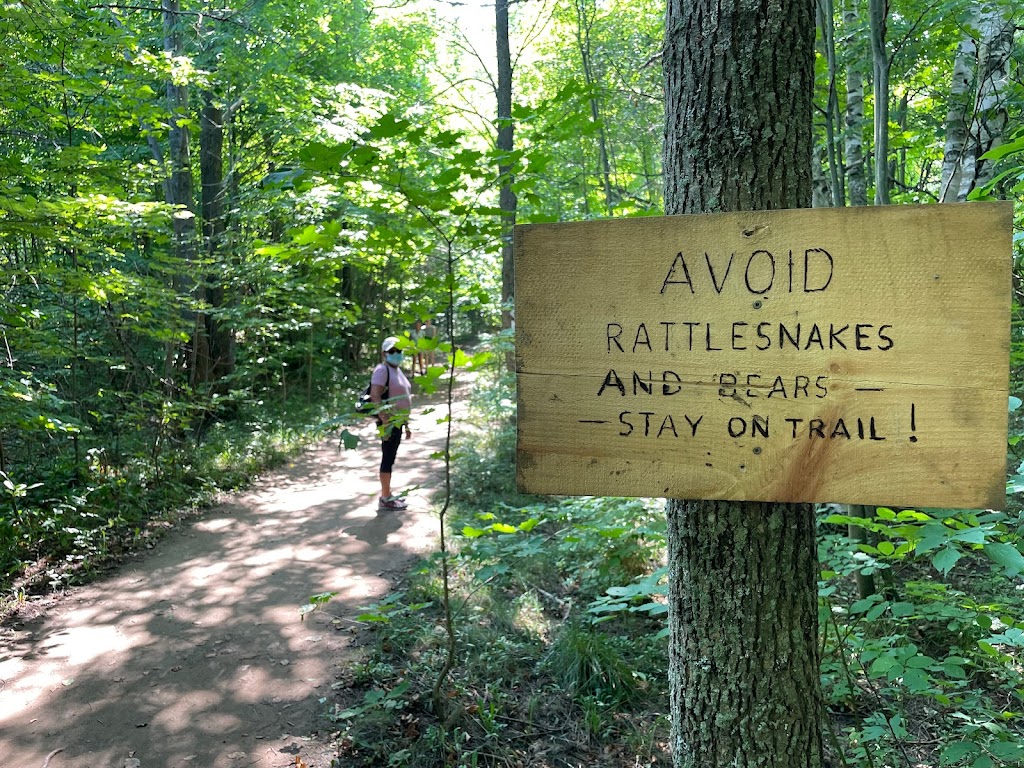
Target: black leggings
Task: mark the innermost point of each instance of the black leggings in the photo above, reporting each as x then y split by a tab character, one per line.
389	449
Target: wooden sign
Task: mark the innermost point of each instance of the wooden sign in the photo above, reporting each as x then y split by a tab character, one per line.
856	355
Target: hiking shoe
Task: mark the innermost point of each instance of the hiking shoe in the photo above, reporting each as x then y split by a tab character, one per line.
391	502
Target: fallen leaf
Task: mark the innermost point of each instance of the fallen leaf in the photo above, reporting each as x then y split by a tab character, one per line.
236	755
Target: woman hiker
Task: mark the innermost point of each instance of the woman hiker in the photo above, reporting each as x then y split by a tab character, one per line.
390	387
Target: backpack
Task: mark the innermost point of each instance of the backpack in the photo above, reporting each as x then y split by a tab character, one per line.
365	405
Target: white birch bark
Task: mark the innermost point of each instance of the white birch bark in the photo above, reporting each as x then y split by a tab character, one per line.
957	118
821	192
990	111
856	178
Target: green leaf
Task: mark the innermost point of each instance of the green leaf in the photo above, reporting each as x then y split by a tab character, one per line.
883	665
886	547
933	534
863	605
903	609
945	559
349	440
877	611
975	535
1006	556
916	681
958	751
1007	751
1012	147
1012	637
373	617
473	533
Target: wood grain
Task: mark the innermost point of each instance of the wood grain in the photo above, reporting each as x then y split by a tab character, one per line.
852	355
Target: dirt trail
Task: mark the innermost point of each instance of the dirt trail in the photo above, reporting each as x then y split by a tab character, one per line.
193	656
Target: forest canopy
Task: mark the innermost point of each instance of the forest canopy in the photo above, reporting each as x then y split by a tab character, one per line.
210	213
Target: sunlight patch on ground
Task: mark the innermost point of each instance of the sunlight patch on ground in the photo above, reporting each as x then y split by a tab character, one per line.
56	664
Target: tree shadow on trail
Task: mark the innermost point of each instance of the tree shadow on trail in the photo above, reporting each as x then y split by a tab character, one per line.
194	654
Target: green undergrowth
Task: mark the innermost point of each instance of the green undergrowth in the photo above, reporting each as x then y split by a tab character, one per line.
927	668
560	625
542	677
65	520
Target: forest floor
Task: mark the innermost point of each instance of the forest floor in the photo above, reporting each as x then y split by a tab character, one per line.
193	655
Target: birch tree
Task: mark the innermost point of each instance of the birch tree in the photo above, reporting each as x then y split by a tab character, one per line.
991	113
957	118
856	178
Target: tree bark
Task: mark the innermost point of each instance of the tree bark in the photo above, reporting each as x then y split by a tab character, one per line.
878	14
821	191
216	359
743	655
957	118
856	177
991	112
506	142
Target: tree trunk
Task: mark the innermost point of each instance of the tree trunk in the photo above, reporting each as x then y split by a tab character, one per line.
856	177
826	21
743	654
584	20
506	142
180	187
218	359
858	535
991	109
878	14
957	119
898	170
821	191
178	156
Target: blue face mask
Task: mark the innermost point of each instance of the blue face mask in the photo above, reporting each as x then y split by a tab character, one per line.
393	358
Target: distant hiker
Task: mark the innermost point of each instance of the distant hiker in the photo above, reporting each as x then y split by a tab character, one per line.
430	332
417	356
389	385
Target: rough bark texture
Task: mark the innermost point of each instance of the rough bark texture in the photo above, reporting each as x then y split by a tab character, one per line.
856	178
743	651
738	104
506	141
743	655
957	118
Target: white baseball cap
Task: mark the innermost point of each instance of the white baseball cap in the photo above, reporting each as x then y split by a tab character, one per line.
388	343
